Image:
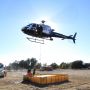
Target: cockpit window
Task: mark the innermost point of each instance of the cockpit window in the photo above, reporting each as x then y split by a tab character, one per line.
34	25
1	65
30	26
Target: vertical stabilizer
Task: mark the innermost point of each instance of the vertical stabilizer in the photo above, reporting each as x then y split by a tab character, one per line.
74	37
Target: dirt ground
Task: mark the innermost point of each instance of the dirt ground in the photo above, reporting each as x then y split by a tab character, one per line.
78	80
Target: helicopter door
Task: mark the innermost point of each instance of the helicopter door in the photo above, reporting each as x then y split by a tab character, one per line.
46	29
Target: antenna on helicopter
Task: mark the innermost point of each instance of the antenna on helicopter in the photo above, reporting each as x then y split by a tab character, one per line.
43	21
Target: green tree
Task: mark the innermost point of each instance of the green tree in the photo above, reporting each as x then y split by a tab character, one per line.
87	65
27	63
54	65
78	64
14	65
63	65
38	65
22	64
32	63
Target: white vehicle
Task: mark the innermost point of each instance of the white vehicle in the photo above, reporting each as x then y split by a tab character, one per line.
2	70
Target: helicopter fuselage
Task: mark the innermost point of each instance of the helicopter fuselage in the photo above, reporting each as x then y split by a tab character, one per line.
44	31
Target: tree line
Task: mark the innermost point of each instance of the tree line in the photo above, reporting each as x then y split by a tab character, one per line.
24	64
33	63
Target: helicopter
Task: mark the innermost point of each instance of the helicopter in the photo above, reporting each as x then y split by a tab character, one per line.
43	31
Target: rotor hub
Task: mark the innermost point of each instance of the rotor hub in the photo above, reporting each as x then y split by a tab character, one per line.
43	21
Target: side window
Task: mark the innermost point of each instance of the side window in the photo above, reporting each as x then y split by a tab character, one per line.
46	29
1	65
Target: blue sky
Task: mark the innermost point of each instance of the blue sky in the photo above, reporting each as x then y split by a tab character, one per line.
65	16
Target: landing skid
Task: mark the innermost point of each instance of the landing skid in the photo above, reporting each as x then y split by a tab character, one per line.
36	40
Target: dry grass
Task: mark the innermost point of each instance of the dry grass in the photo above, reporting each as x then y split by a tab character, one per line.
78	80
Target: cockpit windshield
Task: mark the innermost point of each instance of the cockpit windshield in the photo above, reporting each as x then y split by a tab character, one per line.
1	65
34	25
30	26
